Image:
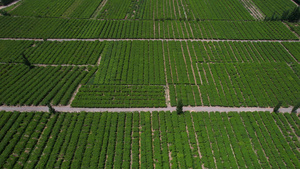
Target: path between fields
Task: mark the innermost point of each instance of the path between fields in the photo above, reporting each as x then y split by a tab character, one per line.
195	109
200	40
2	7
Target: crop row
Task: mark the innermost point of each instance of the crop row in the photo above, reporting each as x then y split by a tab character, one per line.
69	8
40	85
16	27
120	96
148	140
131	62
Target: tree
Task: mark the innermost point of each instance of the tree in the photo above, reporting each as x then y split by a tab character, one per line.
51	109
4	13
276	108
179	107
26	62
294	110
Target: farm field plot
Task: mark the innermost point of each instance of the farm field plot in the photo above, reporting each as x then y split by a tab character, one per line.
67	52
295	27
20	27
132	62
241	84
151	9
274	7
229	74
171	10
56	8
294	49
41	85
149	140
120	96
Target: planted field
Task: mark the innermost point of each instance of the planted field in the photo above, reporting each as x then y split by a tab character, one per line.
132	62
230	74
294	49
120	96
171	10
56	8
19	27
242	84
68	52
149	140
274	7
41	85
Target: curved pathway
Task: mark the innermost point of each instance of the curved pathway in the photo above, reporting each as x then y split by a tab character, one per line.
195	109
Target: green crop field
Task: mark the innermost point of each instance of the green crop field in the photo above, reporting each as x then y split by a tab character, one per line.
149	140
100	84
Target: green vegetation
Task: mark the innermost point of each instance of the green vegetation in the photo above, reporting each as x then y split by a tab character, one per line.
21	27
51	52
40	85
120	96
145	140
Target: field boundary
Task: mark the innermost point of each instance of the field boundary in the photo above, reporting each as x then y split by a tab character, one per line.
191	109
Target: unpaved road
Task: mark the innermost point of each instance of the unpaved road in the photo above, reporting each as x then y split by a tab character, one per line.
2	7
195	109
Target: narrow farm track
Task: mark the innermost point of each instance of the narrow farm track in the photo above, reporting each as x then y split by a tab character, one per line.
196	40
195	109
2	7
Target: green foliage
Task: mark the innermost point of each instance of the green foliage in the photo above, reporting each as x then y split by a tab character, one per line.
112	29
294	110
293	16
26	62
120	96
4	13
179	107
276	108
51	109
40	85
145	140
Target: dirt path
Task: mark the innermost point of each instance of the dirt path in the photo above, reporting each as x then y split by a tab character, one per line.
195	109
158	39
2	7
253	9
97	11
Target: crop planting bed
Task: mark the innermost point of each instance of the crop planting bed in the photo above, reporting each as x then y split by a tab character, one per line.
23	27
37	52
149	140
40	85
120	96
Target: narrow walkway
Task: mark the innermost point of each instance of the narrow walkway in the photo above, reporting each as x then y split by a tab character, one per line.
200	40
2	7
195	109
